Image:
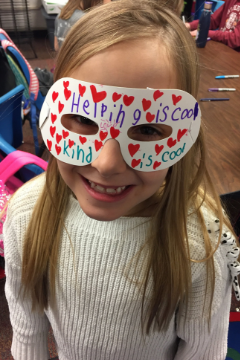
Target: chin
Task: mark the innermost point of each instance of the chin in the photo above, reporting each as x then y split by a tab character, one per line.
101	215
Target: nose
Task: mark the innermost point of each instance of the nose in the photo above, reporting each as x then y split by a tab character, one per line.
110	161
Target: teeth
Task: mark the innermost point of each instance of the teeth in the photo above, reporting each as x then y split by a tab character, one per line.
103	190
99	188
110	191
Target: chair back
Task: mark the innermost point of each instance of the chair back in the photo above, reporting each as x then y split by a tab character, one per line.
26	68
19	77
10	116
7	77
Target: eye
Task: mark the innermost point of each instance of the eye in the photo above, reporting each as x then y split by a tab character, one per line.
146	132
83	120
79	124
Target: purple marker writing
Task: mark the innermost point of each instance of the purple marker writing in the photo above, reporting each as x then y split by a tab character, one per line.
221	89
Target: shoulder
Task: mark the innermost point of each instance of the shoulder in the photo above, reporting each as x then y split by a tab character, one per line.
225	249
196	236
196	233
224	257
24	200
76	15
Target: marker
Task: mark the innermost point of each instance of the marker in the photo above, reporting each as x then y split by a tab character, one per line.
226	76
215	99
221	89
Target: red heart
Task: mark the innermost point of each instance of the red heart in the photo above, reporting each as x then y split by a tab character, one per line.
82	139
176	99
97	96
133	149
49	145
70	143
146	104
127	100
60	107
171	142
158	148
150	117
181	133
53	118
65	134
157	94
58	149
52	130
156	164
66	84
58	138
82	89
103	135
135	162
116	96
114	132
54	96
67	93
98	144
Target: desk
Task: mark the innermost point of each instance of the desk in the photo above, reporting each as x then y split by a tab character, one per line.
221	119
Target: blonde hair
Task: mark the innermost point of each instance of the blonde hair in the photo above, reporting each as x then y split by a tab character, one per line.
174	5
186	183
73	5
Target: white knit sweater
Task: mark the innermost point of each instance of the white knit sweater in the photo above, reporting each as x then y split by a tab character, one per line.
97	314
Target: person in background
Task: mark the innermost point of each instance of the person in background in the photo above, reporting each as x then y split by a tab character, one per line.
224	26
70	13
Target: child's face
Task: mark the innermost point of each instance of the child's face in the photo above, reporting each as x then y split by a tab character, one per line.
108	188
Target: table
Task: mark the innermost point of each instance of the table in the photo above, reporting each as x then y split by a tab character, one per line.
221	119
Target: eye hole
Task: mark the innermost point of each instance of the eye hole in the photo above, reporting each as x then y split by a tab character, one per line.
147	132
79	124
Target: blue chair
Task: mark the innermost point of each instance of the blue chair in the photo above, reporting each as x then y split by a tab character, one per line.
36	99
10	116
11	129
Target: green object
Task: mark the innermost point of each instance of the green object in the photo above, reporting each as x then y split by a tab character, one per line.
184	5
20	78
233	354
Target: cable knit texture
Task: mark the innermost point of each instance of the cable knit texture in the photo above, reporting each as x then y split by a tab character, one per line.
97	313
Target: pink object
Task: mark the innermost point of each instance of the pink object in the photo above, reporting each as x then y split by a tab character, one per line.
9	184
4	198
5	34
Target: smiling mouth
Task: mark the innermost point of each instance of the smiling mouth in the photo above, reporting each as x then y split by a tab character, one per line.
109	190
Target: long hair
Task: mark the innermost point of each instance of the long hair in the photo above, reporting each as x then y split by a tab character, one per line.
73	5
187	183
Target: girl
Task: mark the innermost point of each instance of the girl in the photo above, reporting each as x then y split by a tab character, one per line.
120	247
70	13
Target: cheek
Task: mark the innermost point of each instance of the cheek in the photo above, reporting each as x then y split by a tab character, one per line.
153	179
66	172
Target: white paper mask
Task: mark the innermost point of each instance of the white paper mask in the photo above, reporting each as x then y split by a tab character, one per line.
115	110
